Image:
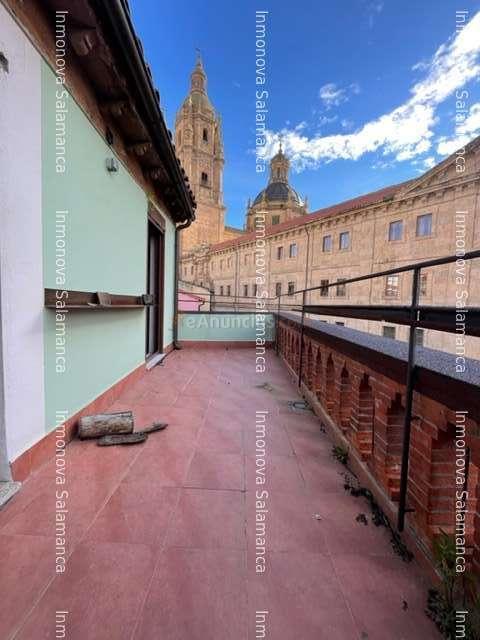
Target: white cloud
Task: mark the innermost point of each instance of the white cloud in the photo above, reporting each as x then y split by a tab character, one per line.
420	66
323	120
301	125
382	164
405	132
429	162
465	131
332	96
373	9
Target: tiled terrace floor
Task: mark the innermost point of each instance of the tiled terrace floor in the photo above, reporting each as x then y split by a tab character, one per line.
161	534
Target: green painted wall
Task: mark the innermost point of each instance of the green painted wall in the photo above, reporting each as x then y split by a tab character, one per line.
105	251
214	327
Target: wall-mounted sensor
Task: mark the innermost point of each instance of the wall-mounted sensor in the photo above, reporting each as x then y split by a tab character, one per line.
112	165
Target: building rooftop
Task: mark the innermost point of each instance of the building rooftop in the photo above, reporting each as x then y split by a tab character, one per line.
333	210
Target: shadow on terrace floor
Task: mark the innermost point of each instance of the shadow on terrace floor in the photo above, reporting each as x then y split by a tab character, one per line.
161	534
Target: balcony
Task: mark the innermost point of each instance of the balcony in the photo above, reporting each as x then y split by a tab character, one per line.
240	517
161	536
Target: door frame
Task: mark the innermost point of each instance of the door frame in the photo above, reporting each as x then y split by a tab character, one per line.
157	220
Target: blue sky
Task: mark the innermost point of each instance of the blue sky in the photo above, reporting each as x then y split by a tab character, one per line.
362	92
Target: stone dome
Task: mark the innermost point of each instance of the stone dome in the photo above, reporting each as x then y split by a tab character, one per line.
278	191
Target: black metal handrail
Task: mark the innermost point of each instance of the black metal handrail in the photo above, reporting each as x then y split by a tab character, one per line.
412	315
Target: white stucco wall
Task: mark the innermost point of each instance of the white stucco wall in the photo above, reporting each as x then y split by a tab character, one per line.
21	276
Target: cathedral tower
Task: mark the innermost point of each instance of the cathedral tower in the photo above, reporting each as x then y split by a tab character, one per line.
198	141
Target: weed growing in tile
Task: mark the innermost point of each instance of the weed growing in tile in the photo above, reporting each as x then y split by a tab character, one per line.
455	607
378	517
340	454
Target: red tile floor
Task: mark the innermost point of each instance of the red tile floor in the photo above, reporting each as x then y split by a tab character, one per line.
161	535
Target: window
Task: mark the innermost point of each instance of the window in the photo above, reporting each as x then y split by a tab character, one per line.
424	225
204	177
221	290
324	288
255	290
191	270
392	289
293	251
245	290
201	283
419	337
344	240
279	253
221	265
327	243
246	258
341	288
423	283
278	288
389	332
205	135
395	230
291	288
229	263
229	290
275	219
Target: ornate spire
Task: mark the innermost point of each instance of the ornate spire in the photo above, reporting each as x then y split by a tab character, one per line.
279	166
198	77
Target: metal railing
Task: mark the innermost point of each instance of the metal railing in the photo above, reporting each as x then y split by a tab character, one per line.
414	316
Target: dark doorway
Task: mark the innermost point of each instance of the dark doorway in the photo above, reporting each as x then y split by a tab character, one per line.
155	254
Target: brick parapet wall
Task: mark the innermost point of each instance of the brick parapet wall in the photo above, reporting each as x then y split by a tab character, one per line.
362	397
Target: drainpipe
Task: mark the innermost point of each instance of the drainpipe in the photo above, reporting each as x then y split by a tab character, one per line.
237	279
5	471
178	228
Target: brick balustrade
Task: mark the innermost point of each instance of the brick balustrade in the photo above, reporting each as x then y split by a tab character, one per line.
359	392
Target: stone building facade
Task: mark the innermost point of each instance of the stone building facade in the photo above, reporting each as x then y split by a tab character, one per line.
199	145
431	216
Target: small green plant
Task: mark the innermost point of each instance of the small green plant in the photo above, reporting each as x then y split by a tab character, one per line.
378	517
444	553
340	454
458	592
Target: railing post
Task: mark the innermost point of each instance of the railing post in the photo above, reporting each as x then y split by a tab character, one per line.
277	324
300	364
410	384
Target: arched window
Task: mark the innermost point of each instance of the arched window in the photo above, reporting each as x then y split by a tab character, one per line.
204	177
205	135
